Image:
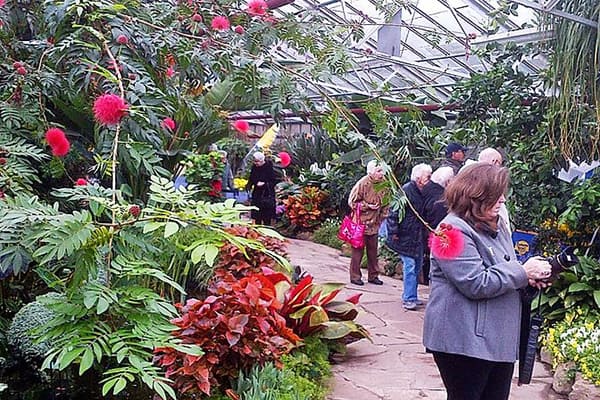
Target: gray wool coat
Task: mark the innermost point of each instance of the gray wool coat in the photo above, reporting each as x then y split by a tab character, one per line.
474	307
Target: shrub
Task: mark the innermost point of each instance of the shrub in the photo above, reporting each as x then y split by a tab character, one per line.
237	326
310	360
577	339
22	335
307	209
270	383
243	261
327	234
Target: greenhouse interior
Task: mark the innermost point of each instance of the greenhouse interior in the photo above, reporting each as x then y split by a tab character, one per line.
300	199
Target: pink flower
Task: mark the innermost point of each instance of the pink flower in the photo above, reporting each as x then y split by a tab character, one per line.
81	182
242	126
170	72
220	23
197	18
169	123
109	109
122	39
22	71
257	7
446	243
239	30
2	2
284	158
58	142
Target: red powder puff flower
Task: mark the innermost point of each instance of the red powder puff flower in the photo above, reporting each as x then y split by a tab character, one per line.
239	30
197	18
17	64
22	71
216	187
242	126
109	109
122	39
170	72
220	23
446	243
169	123
2	2
284	158
257	7
81	182
58	142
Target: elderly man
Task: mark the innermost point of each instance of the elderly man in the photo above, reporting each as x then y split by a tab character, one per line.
491	156
405	236
455	156
369	199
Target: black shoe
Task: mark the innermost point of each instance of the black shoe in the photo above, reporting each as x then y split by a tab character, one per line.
376	281
358	282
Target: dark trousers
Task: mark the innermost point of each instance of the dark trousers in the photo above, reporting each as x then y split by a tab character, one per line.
357	255
262	220
468	378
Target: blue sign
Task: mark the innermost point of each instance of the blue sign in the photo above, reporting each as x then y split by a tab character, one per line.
524	243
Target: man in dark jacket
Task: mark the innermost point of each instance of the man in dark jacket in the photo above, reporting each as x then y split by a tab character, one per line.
455	157
406	237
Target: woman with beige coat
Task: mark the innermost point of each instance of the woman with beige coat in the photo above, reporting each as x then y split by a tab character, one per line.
365	196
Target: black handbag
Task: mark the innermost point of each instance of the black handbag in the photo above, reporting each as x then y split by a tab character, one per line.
530	331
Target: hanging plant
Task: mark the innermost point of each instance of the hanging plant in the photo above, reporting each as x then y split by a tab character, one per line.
574	118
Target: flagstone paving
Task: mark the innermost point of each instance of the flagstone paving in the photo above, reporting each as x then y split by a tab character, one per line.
394	366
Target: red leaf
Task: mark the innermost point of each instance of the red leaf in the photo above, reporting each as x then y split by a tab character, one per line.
237	323
232	338
354	299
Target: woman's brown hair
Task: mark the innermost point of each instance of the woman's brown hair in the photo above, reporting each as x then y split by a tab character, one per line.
474	191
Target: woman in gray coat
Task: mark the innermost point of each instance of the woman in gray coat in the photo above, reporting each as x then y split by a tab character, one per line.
472	319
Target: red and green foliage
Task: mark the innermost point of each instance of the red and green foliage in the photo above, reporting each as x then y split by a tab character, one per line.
307	209
243	261
237	326
311	309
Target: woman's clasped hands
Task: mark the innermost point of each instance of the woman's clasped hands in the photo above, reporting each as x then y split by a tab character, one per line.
538	271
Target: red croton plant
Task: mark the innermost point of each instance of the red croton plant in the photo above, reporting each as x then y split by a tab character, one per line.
237	326
252	315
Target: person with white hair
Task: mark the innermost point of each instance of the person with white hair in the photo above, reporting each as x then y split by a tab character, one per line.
492	156
367	200
262	182
406	236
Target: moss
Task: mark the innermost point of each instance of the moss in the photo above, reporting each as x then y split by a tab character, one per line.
21	336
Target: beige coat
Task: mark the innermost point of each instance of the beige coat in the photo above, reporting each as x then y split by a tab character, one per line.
364	193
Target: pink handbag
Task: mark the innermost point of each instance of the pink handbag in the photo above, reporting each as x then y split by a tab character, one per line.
352	231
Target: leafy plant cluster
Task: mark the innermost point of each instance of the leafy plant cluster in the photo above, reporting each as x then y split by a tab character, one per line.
205	171
253	320
237	326
113	311
577	287
308	209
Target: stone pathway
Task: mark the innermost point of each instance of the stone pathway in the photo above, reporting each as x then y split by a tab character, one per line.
395	366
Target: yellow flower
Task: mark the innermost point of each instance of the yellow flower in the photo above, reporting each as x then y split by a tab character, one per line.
240	183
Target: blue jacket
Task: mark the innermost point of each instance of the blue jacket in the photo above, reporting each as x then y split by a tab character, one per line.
409	231
474	307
